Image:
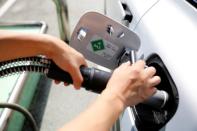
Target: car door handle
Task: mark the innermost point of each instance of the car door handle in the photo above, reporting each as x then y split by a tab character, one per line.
127	15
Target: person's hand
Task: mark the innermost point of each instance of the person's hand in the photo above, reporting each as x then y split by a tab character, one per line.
69	60
131	84
53	48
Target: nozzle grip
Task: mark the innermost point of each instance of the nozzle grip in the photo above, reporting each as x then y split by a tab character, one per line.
158	100
95	80
57	73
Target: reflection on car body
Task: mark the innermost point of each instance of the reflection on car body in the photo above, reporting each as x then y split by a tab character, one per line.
167	30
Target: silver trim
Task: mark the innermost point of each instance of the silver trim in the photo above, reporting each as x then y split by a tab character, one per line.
6	6
27	23
131	115
128	120
166	97
13	99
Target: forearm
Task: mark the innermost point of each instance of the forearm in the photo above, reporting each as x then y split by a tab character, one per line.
100	116
15	45
128	86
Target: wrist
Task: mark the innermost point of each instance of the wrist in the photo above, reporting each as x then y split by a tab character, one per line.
52	46
113	101
43	44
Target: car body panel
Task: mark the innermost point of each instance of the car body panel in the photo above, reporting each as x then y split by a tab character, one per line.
169	29
172	36
138	8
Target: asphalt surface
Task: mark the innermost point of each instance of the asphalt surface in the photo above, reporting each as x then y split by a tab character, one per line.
62	103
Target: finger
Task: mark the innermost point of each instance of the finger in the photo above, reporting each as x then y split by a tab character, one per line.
146	93
84	63
77	78
76	75
154	81
140	64
151	91
127	63
66	84
149	72
57	82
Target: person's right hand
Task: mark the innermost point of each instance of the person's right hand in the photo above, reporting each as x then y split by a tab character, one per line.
131	84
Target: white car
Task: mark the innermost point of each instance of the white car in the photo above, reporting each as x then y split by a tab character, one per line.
168	32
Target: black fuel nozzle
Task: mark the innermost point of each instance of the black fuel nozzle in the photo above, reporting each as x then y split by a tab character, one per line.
95	80
158	100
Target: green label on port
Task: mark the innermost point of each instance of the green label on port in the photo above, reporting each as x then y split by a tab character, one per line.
97	45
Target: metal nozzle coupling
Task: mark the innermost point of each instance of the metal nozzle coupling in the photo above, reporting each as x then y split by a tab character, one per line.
158	100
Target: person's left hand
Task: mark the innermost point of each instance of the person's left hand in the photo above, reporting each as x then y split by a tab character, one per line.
70	61
131	84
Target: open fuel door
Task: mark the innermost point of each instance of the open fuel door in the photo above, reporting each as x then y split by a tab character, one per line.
102	40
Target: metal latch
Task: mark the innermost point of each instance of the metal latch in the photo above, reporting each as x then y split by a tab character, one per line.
127	55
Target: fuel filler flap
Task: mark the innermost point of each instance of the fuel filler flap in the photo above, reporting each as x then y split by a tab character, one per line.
102	40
